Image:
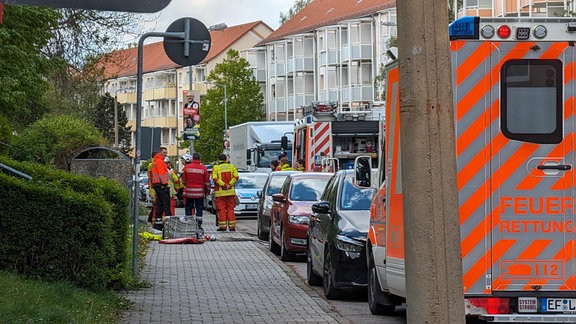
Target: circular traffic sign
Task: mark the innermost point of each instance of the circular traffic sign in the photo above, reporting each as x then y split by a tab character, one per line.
190	49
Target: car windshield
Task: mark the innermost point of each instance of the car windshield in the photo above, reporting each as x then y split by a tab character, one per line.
276	182
354	198
307	189
251	181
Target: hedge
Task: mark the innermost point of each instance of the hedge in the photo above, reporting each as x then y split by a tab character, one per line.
63	226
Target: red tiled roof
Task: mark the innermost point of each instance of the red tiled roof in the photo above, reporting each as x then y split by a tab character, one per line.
320	13
123	63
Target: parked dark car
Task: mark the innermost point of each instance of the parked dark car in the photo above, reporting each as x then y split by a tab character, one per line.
337	237
290	214
272	186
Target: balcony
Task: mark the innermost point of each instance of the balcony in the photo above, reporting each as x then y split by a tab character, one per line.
357	93
259	74
300	99
276	105
159	93
357	52
329	94
329	57
300	64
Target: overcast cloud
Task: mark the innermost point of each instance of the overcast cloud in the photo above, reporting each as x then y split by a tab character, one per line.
230	12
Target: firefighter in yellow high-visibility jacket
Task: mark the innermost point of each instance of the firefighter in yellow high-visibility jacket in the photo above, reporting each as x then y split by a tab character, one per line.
225	176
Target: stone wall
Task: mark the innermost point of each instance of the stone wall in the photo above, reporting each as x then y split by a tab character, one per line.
118	169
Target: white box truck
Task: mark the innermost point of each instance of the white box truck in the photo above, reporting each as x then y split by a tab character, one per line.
254	144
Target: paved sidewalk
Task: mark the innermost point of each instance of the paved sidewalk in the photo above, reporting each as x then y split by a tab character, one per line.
230	280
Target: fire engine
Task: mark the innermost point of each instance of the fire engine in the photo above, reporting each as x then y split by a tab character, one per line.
329	141
513	83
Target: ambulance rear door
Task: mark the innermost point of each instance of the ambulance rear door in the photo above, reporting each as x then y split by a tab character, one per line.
531	160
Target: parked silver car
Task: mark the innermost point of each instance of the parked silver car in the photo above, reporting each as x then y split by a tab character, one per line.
272	186
246	189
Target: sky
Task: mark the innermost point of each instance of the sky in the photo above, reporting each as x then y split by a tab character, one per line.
230	12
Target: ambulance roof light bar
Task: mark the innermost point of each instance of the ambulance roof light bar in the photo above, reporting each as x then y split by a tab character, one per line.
506	29
464	28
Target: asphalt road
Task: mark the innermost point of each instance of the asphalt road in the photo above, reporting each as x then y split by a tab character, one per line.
354	308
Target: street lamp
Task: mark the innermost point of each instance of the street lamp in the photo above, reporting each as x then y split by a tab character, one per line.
116	113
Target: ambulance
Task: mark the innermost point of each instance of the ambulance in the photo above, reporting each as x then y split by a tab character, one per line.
514	92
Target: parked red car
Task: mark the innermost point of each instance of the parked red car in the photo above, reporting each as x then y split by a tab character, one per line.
290	214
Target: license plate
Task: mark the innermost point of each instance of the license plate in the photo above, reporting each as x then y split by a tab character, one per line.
250	206
527	305
563	305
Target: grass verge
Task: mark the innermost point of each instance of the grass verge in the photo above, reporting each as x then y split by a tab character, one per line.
31	301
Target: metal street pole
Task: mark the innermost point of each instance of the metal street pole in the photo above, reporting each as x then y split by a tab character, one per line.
190	92
225	108
434	290
138	135
116	119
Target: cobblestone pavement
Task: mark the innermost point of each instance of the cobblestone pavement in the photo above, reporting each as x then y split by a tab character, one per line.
229	280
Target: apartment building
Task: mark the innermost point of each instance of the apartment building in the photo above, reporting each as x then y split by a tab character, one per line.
515	8
329	52
165	84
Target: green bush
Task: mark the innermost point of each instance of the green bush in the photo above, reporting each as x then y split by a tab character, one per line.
63	226
55	140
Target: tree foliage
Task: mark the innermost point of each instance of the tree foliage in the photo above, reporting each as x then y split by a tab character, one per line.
24	70
79	40
244	103
102	116
296	7
55	140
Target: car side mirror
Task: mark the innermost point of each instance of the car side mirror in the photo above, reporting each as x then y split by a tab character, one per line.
259	193
322	207
279	197
363	171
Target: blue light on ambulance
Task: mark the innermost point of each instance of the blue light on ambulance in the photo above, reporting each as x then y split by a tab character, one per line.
464	28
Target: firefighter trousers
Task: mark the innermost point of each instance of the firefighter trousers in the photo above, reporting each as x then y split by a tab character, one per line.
226	218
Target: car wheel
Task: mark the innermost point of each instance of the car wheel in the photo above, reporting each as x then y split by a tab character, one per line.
259	232
327	284
374	292
275	248
312	278
285	255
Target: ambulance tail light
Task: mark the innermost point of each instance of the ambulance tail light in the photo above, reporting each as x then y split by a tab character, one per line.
504	31
489	305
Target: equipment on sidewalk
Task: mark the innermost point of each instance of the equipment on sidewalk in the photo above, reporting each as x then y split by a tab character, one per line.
182	227
183	240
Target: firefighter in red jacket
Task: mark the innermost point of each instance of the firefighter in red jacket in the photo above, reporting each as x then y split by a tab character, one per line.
159	180
225	176
196	185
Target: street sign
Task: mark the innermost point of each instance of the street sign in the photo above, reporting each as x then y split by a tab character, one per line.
140	6
190	49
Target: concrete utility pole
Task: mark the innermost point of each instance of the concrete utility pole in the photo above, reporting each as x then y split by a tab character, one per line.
431	231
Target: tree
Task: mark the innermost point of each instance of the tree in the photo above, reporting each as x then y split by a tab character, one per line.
102	116
47	59
55	140
245	103
24	70
79	40
380	78
296	7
